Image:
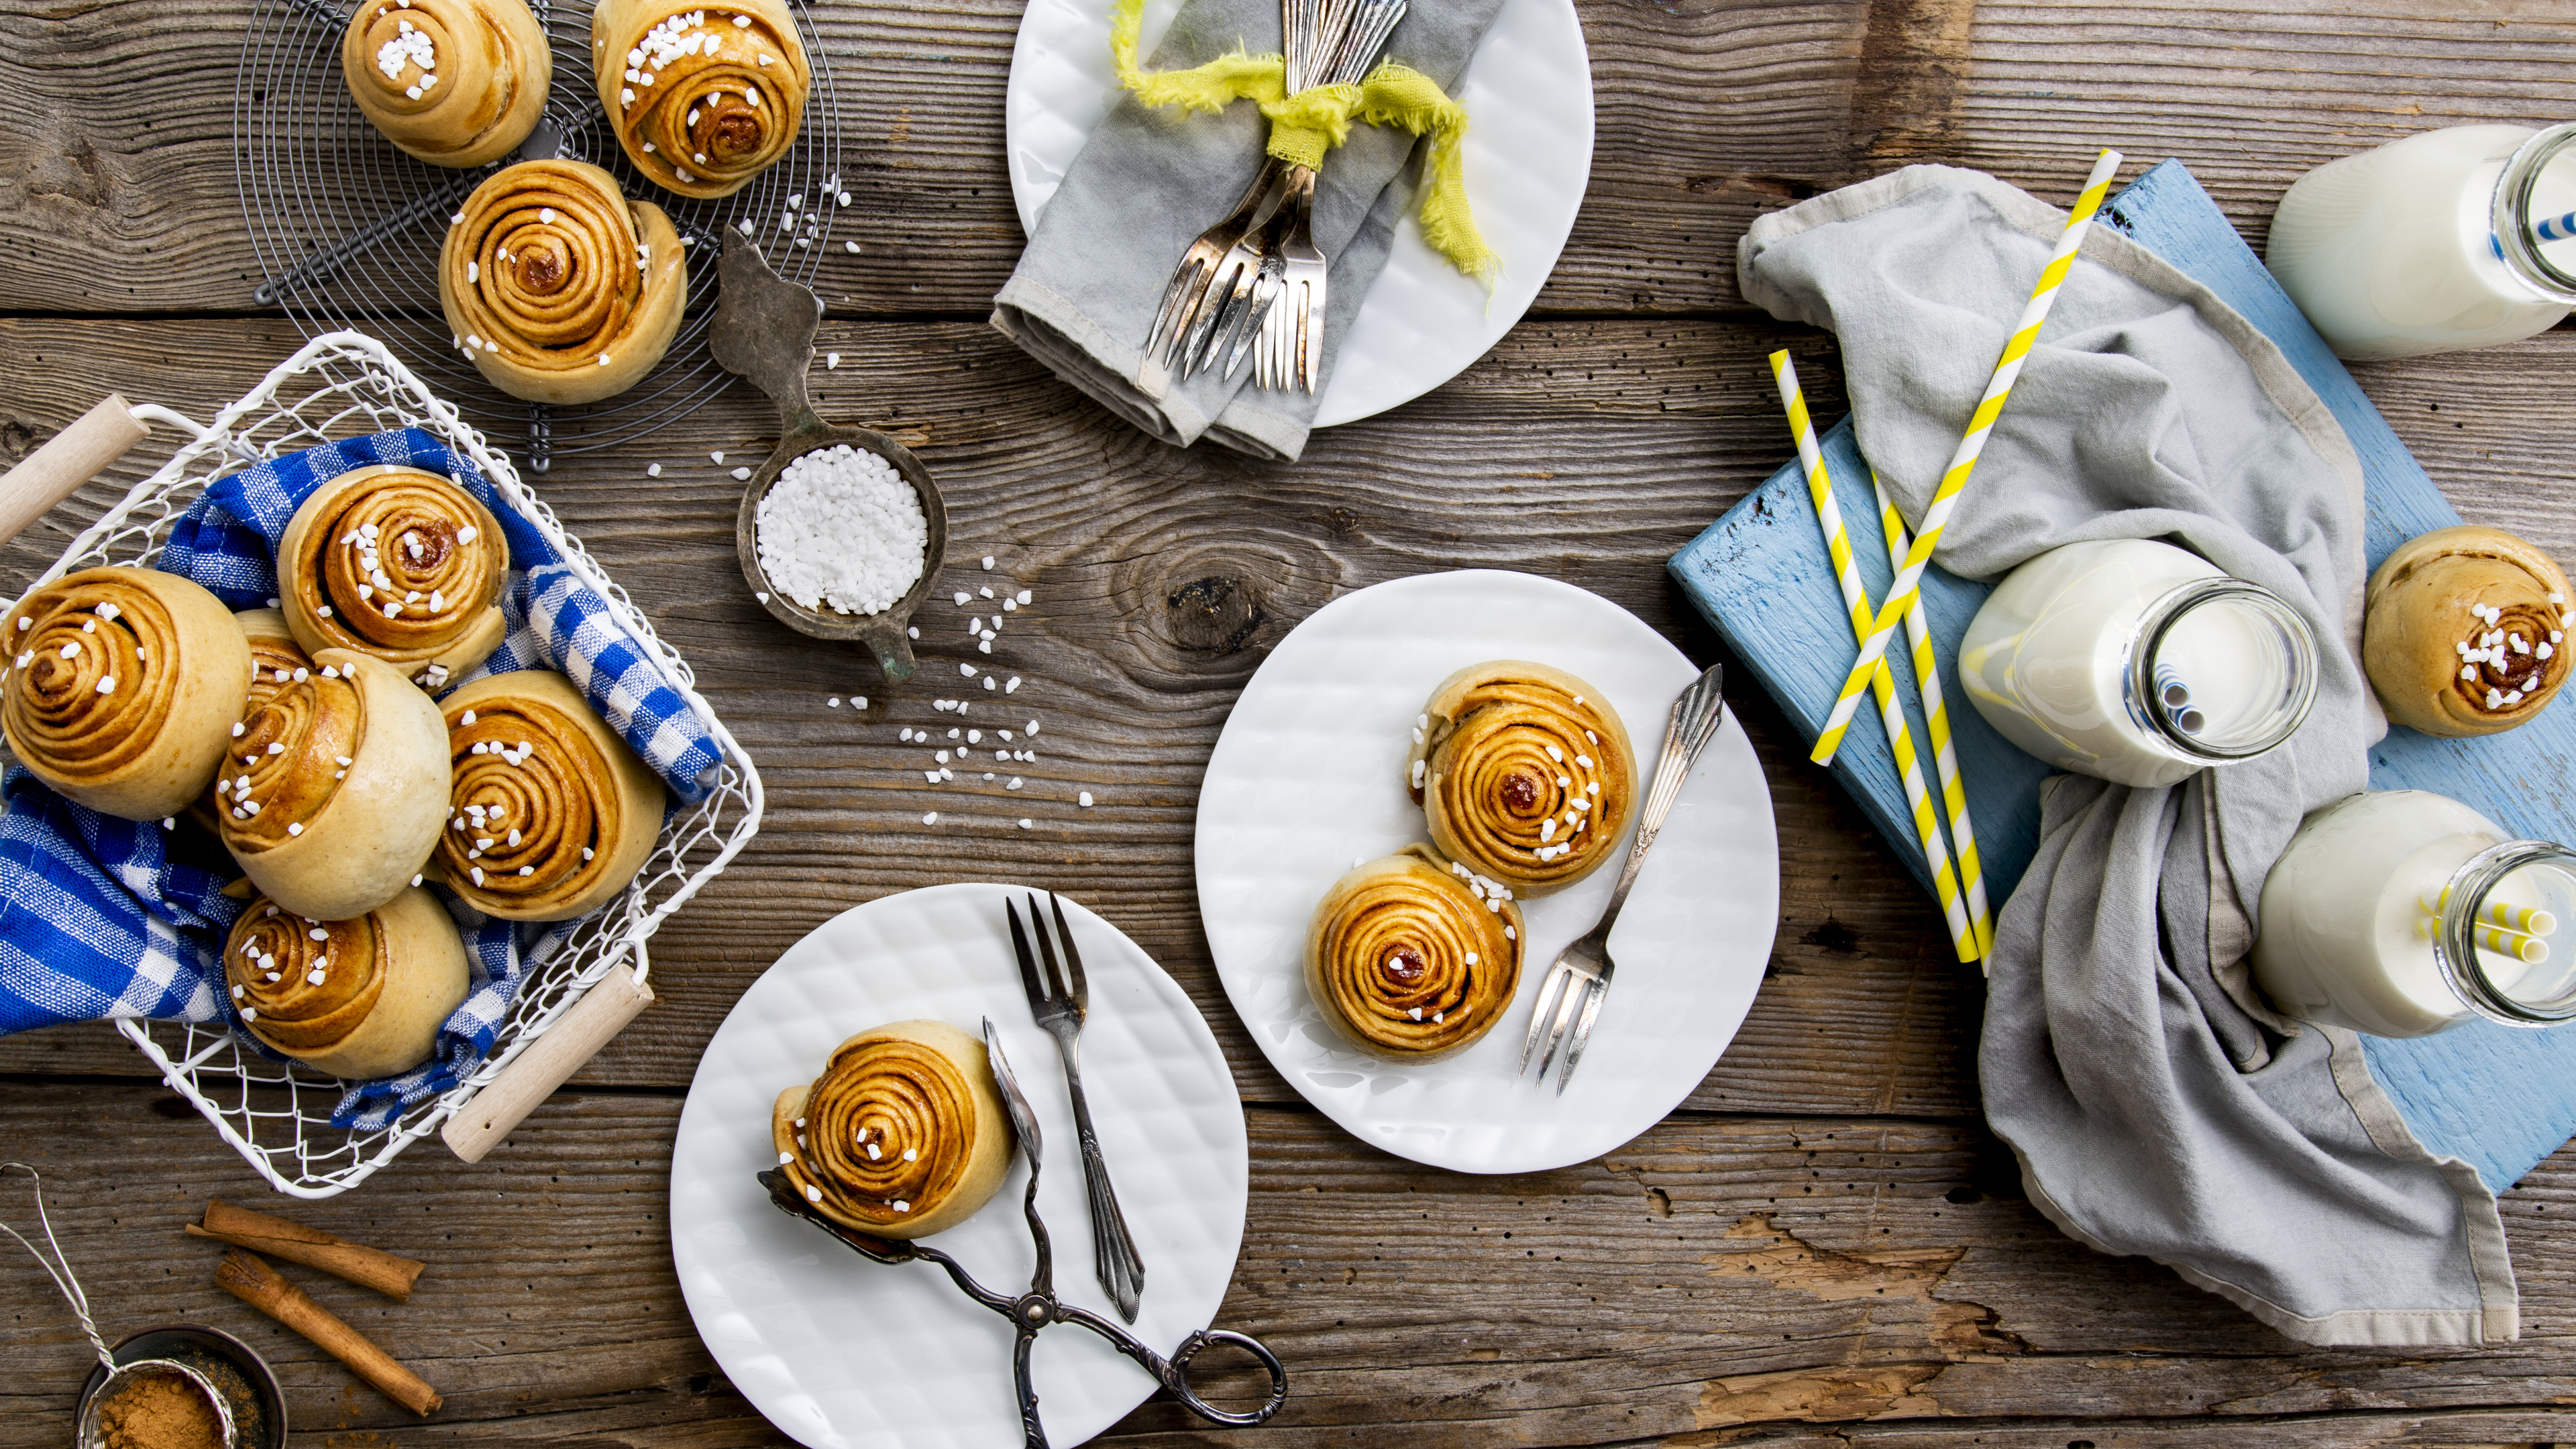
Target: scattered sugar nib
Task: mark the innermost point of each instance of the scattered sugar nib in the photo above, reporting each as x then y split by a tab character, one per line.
841	527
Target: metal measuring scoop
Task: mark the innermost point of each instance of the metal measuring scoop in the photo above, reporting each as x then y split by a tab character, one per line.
764	331
88	1434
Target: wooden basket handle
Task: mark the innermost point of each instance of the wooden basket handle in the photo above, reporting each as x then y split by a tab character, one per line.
68	459
574	1038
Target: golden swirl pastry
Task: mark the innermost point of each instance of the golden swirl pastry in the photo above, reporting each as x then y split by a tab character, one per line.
333	796
452	82
2463	631
122	687
549	813
561	289
1410	957
359	998
902	1135
275	659
1523	772
399	563
703	99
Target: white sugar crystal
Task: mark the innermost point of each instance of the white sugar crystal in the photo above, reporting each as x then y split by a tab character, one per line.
841	527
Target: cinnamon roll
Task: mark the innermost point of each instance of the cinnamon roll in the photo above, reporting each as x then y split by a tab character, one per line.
1412	957
2463	631
549	813
902	1135
396	562
703	99
333	795
452	82
275	659
561	289
121	688
358	998
1524	774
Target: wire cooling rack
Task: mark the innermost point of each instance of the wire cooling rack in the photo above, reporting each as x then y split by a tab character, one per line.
344	385
347	229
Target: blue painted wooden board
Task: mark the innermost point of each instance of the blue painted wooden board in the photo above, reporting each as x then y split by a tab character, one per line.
1759	574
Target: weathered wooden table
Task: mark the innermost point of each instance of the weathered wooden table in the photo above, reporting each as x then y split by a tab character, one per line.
1823	1246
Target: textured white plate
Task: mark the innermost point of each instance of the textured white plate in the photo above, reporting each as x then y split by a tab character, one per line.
837	1350
1528	156
1309	775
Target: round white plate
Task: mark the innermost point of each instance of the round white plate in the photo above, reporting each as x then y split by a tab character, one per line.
1528	157
1309	776
839	1351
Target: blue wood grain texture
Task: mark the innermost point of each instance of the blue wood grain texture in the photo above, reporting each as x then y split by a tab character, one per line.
2497	1097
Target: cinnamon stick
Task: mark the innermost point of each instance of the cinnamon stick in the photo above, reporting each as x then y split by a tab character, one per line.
249	1278
387	1273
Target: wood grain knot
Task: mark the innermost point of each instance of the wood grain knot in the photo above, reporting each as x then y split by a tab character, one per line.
1213	615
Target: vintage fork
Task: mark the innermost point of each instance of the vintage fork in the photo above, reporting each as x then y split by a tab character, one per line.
1195	278
1575	985
1059	998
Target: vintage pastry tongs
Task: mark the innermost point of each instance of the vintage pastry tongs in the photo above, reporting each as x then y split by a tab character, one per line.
1039	1307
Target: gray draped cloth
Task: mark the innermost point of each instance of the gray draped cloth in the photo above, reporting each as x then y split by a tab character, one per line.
2156	1104
1149	181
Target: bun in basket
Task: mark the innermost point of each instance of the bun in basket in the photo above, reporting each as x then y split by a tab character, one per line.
360	998
549	813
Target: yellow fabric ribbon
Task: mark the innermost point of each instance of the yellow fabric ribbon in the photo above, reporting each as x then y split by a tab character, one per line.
1308	124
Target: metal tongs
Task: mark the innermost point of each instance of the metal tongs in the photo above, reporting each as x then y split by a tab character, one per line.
1039	1307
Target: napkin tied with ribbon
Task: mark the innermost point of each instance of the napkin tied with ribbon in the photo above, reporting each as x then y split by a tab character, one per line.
1166	164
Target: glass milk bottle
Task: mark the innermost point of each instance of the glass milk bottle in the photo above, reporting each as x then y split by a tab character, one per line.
2402	913
2440	241
2137	662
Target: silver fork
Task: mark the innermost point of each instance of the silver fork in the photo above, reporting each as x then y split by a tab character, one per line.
1195	277
1059	998
1571	995
1290	349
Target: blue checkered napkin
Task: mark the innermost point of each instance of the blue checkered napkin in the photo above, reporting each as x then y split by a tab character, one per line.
96	921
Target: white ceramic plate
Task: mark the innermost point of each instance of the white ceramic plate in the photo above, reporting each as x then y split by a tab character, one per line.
1309	776
1528	156
839	1351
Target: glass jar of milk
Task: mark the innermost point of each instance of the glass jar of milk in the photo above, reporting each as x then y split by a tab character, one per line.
2401	913
2440	241
2137	662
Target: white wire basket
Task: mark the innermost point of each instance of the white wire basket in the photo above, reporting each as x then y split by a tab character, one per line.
344	385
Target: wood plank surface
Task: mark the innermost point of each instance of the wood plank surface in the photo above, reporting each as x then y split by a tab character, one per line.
1823	1247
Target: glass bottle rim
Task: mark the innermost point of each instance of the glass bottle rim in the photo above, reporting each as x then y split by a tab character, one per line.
2147	704
2455	947
2509	215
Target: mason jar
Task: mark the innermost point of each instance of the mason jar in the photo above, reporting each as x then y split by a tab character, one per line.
2137	662
2437	242
2404	913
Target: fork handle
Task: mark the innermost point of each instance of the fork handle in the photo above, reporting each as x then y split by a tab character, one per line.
1115	1261
1695	720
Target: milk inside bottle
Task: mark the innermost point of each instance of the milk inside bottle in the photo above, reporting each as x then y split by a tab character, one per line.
2137	662
2443	240
2403	913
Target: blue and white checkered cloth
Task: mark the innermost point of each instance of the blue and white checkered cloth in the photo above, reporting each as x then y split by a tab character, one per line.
98	921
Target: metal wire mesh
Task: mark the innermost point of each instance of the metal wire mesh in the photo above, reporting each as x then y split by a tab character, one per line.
278	1117
347	229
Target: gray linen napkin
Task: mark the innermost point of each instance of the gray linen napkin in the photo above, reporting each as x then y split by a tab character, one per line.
2156	1104
1149	181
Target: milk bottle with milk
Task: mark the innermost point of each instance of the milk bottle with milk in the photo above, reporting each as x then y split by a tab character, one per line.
2450	239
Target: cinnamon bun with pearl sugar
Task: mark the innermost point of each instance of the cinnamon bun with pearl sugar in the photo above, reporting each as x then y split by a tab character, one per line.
902	1135
1413	957
549	813
1524	774
360	998
702	97
400	563
2464	631
450	82
121	688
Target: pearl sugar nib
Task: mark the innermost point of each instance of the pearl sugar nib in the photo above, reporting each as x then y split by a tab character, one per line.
841	528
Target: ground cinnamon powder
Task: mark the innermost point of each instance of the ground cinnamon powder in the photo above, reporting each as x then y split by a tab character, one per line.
159	1411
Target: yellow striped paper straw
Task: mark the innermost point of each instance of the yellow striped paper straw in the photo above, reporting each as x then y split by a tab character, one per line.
2525	920
1936	718
1945	497
1829	518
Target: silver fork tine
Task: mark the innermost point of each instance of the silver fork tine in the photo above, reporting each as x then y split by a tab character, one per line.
1540	1010
1564	1018
1029	978
1046	948
1074	984
1582	1032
